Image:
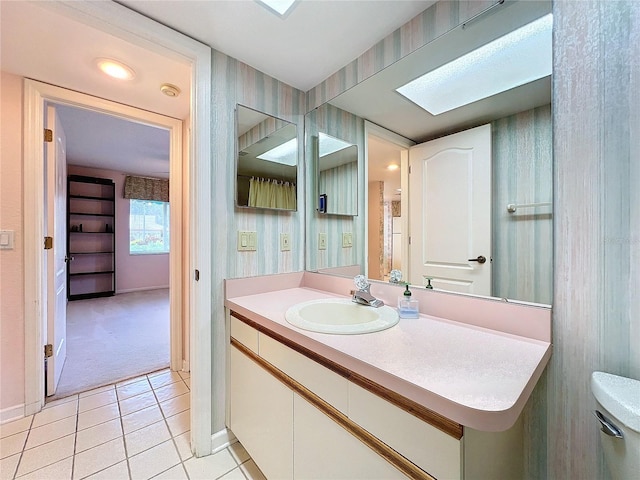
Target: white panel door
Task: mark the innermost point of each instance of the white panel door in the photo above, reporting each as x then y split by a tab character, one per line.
450	212
56	199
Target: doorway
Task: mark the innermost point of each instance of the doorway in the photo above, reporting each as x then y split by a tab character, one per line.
386	175
113	338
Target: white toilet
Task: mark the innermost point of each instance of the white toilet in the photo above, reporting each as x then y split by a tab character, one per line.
618	414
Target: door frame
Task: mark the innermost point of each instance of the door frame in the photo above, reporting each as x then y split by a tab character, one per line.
372	129
139	30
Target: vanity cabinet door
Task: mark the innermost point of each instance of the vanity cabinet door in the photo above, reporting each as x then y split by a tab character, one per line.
261	416
324	449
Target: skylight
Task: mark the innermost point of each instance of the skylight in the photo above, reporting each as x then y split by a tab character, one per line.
286	153
279	6
515	59
329	144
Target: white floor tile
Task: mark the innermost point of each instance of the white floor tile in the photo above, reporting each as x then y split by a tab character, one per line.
46	455
157	372
175	473
98	458
51	431
175	405
239	453
131	380
183	443
235	474
119	471
165	378
97	416
53	414
171	391
132	389
16	426
213	466
8	466
147	437
60	471
12	444
141	418
98	434
60	401
97	400
138	402
95	391
179	423
153	461
251	471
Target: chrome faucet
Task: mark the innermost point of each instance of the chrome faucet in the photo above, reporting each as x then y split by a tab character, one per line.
363	295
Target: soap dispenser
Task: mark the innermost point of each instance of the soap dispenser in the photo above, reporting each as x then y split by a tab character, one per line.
407	307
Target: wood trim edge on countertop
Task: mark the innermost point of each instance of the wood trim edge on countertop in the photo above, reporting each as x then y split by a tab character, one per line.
398	461
434	419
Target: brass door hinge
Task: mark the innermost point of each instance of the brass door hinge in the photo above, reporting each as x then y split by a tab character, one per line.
48	243
48	135
48	350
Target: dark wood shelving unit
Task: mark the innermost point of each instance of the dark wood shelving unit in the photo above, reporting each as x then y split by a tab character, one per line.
90	237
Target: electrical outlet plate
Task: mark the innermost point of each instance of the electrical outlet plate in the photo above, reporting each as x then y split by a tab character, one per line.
285	244
322	241
247	241
347	240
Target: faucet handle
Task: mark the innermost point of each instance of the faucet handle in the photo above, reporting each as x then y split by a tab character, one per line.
361	283
395	276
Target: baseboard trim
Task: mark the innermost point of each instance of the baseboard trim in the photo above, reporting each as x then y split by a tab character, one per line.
141	289
12	413
221	440
185	366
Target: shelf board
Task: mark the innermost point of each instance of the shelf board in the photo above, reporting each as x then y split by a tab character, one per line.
110	233
83	296
91	253
90	197
107	272
93	214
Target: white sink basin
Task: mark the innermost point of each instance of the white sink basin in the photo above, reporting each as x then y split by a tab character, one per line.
341	316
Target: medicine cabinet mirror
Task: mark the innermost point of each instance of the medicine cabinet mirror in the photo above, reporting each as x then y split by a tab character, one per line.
266	162
336	162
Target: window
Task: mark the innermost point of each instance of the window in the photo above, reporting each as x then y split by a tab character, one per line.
148	227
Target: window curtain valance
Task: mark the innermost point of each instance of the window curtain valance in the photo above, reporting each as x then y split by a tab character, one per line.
144	188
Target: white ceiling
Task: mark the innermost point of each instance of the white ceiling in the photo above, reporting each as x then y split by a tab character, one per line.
316	39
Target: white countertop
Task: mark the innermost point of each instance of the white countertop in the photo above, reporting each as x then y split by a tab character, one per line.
477	377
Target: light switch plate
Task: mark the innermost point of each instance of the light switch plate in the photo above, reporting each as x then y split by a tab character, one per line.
285	244
247	241
322	241
347	240
6	239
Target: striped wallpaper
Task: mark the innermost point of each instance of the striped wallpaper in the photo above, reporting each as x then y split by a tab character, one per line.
522	173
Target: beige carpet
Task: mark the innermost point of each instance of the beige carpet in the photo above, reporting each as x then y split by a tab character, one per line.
114	338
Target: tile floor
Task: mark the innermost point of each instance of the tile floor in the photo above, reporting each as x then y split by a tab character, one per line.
137	429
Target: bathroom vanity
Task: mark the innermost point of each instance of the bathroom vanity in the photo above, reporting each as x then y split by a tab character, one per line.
435	397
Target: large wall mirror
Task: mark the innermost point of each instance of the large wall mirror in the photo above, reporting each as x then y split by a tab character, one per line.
267	161
520	251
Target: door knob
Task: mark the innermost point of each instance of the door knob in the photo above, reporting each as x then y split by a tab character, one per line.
481	259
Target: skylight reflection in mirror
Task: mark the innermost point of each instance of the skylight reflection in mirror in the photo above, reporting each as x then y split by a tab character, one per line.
515	59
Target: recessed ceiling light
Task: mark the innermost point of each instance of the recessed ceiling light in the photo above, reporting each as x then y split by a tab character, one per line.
169	90
515	59
279	6
115	69
286	154
392	167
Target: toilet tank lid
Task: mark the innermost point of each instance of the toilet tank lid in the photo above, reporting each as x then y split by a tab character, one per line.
620	396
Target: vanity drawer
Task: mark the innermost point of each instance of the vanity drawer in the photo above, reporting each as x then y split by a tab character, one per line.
245	334
329	386
432	450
